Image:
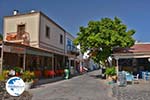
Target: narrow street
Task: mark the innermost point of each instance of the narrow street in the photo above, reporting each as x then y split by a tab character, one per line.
84	87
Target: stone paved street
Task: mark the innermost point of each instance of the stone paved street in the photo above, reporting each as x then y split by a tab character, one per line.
139	91
84	87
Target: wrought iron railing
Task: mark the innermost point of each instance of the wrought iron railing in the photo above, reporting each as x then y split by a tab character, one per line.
72	48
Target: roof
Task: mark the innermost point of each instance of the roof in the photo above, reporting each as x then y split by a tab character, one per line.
41	13
137	48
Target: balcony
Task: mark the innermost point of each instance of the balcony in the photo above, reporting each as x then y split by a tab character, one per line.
72	49
18	37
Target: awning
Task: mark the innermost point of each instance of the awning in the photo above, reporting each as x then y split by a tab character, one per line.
131	55
39	53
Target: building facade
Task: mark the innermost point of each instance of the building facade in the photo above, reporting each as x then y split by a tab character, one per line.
73	54
42	32
134	59
38	31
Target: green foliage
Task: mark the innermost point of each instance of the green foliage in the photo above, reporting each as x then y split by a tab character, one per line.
2	78
110	71
1	37
17	69
101	37
28	76
5	73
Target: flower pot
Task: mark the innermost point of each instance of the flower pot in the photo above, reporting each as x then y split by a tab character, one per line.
28	85
37	73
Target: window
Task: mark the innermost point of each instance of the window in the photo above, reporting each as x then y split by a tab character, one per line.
47	32
69	42
61	39
21	28
20	31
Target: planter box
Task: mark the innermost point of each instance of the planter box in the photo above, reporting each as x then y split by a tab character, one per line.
28	85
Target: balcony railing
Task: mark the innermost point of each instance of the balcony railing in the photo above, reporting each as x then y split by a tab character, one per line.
72	49
18	37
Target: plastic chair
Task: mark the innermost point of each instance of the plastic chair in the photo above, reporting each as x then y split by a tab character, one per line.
129	77
147	76
135	78
144	75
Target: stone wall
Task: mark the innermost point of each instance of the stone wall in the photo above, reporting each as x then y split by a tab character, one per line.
5	96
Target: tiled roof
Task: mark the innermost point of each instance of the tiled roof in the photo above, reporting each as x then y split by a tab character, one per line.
137	48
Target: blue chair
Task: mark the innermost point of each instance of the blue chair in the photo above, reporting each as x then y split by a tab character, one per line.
129	77
147	76
143	75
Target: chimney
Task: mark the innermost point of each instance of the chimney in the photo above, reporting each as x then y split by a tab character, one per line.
15	12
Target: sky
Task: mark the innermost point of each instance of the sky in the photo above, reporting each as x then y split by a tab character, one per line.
71	14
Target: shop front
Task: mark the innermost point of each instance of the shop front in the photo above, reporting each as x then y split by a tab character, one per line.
43	63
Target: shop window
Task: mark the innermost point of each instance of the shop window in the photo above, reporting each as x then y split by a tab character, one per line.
125	62
21	62
34	63
45	61
72	62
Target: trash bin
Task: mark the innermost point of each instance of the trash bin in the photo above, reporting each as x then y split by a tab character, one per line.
122	79
66	73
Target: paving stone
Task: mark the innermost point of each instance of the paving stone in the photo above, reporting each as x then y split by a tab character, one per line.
139	91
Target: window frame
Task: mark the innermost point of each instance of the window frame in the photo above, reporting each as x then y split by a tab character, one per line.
61	39
47	31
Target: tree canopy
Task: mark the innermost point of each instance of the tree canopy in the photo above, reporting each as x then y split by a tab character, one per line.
100	37
1	37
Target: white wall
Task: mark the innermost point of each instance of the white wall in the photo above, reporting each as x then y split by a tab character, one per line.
53	42
31	22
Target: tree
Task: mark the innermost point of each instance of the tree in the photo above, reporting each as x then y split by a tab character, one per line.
1	37
101	37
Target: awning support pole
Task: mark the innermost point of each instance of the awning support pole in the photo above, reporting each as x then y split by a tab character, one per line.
53	65
117	69
24	61
1	59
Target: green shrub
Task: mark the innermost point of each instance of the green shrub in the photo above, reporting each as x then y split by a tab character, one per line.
28	76
5	73
2	78
110	71
17	69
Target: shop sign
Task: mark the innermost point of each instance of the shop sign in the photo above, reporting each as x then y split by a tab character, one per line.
13	49
15	86
6	48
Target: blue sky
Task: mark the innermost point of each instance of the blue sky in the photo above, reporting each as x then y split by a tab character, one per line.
71	14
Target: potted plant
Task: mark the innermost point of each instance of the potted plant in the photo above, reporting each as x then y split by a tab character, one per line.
2	78
28	78
111	73
5	74
17	71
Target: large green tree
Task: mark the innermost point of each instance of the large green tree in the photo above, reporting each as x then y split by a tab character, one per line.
101	37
